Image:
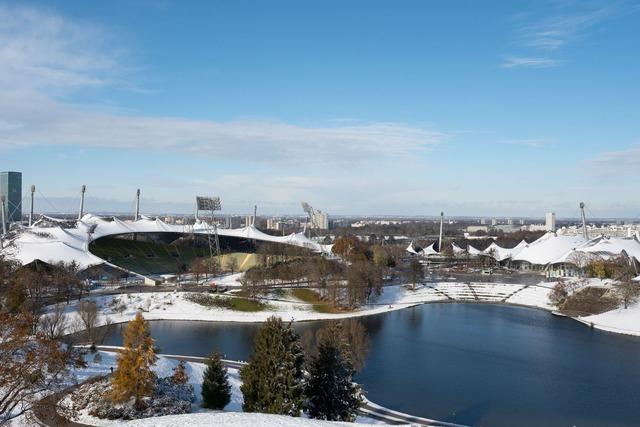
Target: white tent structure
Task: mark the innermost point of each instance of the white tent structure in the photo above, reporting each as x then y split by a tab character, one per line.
604	248
473	251
457	250
412	249
548	249
429	250
502	254
49	241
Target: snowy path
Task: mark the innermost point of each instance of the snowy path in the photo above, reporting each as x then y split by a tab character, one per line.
369	411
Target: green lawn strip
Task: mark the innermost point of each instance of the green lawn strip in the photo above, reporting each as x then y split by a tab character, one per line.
230	303
311	297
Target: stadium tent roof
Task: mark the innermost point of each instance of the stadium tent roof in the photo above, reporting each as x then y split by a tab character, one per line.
500	254
54	244
473	251
548	248
411	249
429	250
457	250
604	248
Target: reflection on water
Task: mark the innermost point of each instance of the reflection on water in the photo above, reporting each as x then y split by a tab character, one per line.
473	364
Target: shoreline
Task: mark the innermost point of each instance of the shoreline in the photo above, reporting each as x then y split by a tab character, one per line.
398	297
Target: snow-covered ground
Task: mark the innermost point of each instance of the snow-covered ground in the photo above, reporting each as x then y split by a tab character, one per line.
232	414
231	419
174	305
621	320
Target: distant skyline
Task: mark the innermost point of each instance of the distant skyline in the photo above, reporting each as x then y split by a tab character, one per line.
360	108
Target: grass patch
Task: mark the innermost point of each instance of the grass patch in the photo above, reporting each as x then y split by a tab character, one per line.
312	297
230	303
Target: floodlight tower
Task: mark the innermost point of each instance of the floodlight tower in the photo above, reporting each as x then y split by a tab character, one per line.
211	204
137	217
440	239
4	217
255	215
33	190
584	222
82	191
311	213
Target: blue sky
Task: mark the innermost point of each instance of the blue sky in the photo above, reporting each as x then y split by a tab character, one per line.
360	107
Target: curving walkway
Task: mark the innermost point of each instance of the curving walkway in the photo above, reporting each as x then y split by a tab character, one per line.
46	414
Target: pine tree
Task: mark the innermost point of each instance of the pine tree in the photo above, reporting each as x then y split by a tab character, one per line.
180	374
331	393
272	381
216	391
133	376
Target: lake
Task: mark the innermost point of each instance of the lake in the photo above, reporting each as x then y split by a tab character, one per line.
473	364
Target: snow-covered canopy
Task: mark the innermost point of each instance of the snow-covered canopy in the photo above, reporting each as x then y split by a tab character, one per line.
429	250
548	248
602	248
500	254
457	250
473	251
412	249
54	243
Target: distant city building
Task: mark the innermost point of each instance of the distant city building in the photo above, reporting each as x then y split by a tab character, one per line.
320	220
483	221
273	224
550	221
11	189
507	228
494	221
231	221
510	221
248	220
476	228
521	221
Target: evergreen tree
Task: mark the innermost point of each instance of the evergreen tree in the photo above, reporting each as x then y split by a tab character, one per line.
180	374
216	391
133	377
272	381
331	393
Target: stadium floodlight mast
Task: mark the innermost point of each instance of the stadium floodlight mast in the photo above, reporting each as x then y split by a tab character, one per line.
83	189
4	224
211	204
311	213
584	222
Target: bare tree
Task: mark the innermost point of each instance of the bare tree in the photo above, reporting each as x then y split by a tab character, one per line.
88	313
628	292
415	272
30	364
559	293
54	324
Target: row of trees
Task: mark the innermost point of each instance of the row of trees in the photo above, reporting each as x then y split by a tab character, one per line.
278	379
274	380
31	287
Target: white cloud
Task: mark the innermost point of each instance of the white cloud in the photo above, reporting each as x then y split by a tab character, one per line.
532	142
41	50
565	24
43	55
618	163
39	120
528	62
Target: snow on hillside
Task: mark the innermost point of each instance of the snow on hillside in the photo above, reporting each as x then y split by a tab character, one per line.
621	320
174	305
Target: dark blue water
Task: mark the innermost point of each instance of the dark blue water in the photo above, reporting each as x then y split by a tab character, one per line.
481	365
